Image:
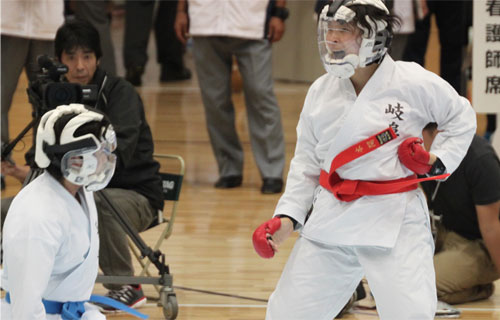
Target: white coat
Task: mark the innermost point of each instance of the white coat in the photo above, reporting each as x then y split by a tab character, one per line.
32	19
399	94
230	18
50	245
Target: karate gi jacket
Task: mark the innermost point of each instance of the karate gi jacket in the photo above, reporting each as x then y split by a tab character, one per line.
401	95
51	247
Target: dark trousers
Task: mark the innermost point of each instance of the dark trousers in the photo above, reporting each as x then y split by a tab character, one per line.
139	20
451	20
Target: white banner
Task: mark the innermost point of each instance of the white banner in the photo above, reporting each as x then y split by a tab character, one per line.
486	56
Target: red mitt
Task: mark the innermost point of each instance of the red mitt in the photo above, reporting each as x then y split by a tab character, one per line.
262	247
413	155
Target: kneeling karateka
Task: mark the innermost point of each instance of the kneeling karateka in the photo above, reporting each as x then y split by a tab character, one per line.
50	238
358	149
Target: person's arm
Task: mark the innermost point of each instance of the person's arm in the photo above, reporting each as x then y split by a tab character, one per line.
277	24
303	179
305	168
455	117
13	170
181	24
489	224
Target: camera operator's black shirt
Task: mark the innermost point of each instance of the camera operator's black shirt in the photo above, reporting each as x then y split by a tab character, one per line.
135	168
475	182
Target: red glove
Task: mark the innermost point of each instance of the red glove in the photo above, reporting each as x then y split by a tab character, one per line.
413	155
262	247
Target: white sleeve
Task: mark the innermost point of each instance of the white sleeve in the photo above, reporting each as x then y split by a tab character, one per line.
456	121
303	176
29	255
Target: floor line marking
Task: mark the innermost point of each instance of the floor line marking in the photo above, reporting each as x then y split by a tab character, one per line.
213	305
479	309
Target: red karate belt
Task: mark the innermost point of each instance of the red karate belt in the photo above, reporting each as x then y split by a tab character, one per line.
349	190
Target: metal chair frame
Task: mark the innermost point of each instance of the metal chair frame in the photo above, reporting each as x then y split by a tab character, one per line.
164	282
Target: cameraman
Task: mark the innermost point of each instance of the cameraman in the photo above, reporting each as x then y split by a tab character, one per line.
136	184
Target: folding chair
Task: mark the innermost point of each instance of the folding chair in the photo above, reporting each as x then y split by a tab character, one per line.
171	183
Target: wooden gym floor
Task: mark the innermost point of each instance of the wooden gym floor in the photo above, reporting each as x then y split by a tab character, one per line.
217	274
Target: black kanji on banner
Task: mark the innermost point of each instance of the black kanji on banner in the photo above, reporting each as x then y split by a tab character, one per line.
493	7
493	84
492	32
493	59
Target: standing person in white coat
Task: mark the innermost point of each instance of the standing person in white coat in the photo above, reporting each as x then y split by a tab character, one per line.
245	30
50	238
28	29
358	149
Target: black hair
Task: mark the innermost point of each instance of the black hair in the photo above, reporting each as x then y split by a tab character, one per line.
77	34
393	21
93	127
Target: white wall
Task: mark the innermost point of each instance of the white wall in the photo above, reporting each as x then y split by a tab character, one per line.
295	56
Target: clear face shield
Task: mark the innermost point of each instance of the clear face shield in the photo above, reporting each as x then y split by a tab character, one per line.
344	44
92	166
339	42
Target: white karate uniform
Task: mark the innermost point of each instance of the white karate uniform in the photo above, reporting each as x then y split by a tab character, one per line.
385	237
51	246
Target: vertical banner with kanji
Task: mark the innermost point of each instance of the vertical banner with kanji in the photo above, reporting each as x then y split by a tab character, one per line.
486	56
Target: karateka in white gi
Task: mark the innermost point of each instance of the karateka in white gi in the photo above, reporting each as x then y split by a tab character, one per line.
358	149
50	238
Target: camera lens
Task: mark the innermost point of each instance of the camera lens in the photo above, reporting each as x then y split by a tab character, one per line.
62	93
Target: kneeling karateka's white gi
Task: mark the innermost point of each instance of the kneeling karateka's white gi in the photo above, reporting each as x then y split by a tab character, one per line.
51	246
385	237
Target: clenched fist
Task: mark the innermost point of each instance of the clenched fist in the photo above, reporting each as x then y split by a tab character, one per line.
413	155
269	235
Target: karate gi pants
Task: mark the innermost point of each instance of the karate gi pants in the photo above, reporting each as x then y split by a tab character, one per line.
319	279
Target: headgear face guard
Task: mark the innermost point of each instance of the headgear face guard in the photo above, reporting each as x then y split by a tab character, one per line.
87	160
92	166
343	45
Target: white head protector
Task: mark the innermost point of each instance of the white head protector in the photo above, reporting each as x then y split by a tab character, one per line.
86	160
341	48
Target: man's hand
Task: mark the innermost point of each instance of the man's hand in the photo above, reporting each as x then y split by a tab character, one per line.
18	172
276	29
269	235
181	26
413	155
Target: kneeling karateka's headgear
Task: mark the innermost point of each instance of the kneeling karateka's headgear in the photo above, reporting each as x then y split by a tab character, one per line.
340	49
86	159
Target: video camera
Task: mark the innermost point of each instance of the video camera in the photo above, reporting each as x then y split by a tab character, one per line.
48	92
